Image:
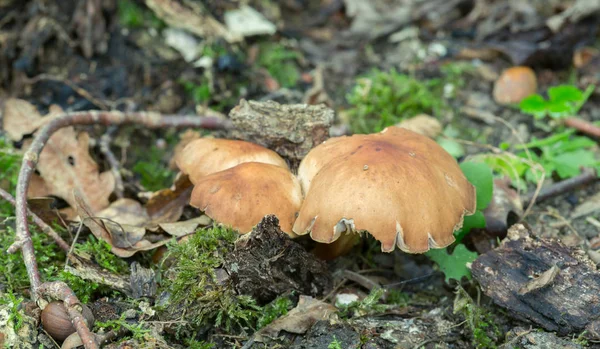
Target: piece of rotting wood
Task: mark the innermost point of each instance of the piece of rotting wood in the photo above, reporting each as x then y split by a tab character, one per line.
542	281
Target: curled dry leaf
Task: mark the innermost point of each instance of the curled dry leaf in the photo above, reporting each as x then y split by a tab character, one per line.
299	320
166	205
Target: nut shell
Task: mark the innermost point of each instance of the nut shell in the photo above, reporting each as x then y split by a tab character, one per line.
56	322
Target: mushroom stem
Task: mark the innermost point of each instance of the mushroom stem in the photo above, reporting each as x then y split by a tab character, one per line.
339	247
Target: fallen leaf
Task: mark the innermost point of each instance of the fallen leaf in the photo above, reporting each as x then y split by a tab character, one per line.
542	280
166	205
299	320
179	229
504	201
125	239
21	118
125	211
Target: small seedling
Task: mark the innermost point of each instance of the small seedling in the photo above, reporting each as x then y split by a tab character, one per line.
563	101
454	264
369	304
480	322
562	154
335	344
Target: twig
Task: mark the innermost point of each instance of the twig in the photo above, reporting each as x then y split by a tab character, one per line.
361	280
112	161
583	126
30	159
587	176
61	291
46	229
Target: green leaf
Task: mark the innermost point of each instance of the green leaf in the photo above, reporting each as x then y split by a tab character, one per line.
454	266
535	105
569	164
565	93
480	175
476	220
452	147
560	109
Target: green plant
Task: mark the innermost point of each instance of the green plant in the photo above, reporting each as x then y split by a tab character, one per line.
563	101
562	154
99	251
193	284
10	162
382	99
193	344
280	62
138	330
131	15
369	304
480	322
279	307
335	344
13	302
154	174
454	264
200	93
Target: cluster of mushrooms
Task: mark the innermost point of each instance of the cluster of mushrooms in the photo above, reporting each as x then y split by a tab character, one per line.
397	185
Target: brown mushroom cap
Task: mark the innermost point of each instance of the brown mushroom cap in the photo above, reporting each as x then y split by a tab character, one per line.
204	156
401	187
514	84
241	196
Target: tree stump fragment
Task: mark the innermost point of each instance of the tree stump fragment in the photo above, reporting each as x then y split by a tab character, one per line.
542	281
266	263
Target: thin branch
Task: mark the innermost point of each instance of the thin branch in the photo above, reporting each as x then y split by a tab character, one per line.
30	160
583	126
46	229
587	176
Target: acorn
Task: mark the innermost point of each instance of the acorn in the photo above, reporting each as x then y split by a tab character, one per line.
57	323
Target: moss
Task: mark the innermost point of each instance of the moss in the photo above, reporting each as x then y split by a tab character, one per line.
278	307
197	296
99	251
10	162
485	333
132	15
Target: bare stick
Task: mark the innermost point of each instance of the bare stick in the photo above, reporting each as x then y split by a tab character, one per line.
583	126
587	176
61	291
30	159
112	161
39	222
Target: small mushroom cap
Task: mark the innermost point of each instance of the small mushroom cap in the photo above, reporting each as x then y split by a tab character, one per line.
401	187
204	156
241	196
514	84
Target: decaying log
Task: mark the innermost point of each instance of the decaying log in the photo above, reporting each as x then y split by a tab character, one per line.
290	130
266	263
542	281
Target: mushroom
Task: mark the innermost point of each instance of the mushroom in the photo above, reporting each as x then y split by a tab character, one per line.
242	195
514	84
401	187
204	156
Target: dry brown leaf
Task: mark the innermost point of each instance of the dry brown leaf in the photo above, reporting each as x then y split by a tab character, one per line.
21	118
166	205
65	165
422	124
299	320
125	211
179	229
125	239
